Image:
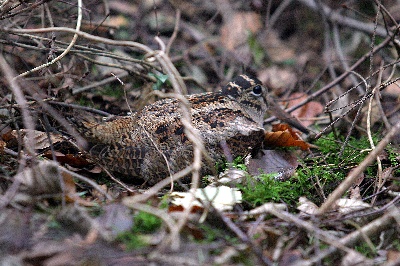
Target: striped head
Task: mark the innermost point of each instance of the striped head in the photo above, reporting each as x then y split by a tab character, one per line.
250	94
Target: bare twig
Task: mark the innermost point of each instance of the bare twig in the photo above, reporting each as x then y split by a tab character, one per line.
343	61
198	146
175	33
85	35
245	238
85	108
370	229
32	6
335	17
66	51
337	80
21	101
378	184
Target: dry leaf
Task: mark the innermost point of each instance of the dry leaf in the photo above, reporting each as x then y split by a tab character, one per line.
45	179
355	193
393	255
349	205
40	179
307	206
307	112
235	31
230	177
41	140
353	258
115	219
283	163
284	136
375	114
289	257
279	51
2	146
393	90
180	208
280	79
266	207
73	160
7	136
118	21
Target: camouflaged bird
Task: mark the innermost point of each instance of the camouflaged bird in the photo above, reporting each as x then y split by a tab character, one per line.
132	145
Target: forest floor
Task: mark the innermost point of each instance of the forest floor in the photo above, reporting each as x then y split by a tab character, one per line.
328	196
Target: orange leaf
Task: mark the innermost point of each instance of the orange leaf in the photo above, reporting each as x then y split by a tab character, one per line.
180	208
2	146
284	136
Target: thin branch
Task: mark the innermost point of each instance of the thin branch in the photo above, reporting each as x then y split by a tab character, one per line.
83	35
335	17
66	51
175	33
335	81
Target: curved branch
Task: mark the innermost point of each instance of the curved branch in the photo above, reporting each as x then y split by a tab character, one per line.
335	17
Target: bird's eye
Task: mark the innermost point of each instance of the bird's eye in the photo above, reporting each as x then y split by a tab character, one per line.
257	90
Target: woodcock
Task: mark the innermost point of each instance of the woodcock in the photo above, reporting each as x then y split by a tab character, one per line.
132	145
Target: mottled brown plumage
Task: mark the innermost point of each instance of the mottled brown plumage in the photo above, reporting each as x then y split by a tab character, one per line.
131	145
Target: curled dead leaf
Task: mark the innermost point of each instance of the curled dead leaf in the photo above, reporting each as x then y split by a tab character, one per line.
349	205
284	136
307	207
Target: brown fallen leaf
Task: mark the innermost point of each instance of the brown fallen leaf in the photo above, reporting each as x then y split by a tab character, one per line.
2	146
307	112
180	208
40	138
76	161
236	29
393	255
45	178
283	135
283	163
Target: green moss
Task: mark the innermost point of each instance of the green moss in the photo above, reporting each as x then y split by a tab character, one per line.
316	177
238	163
266	189
366	250
85	102
144	223
113	91
211	234
131	240
394	158
396	244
